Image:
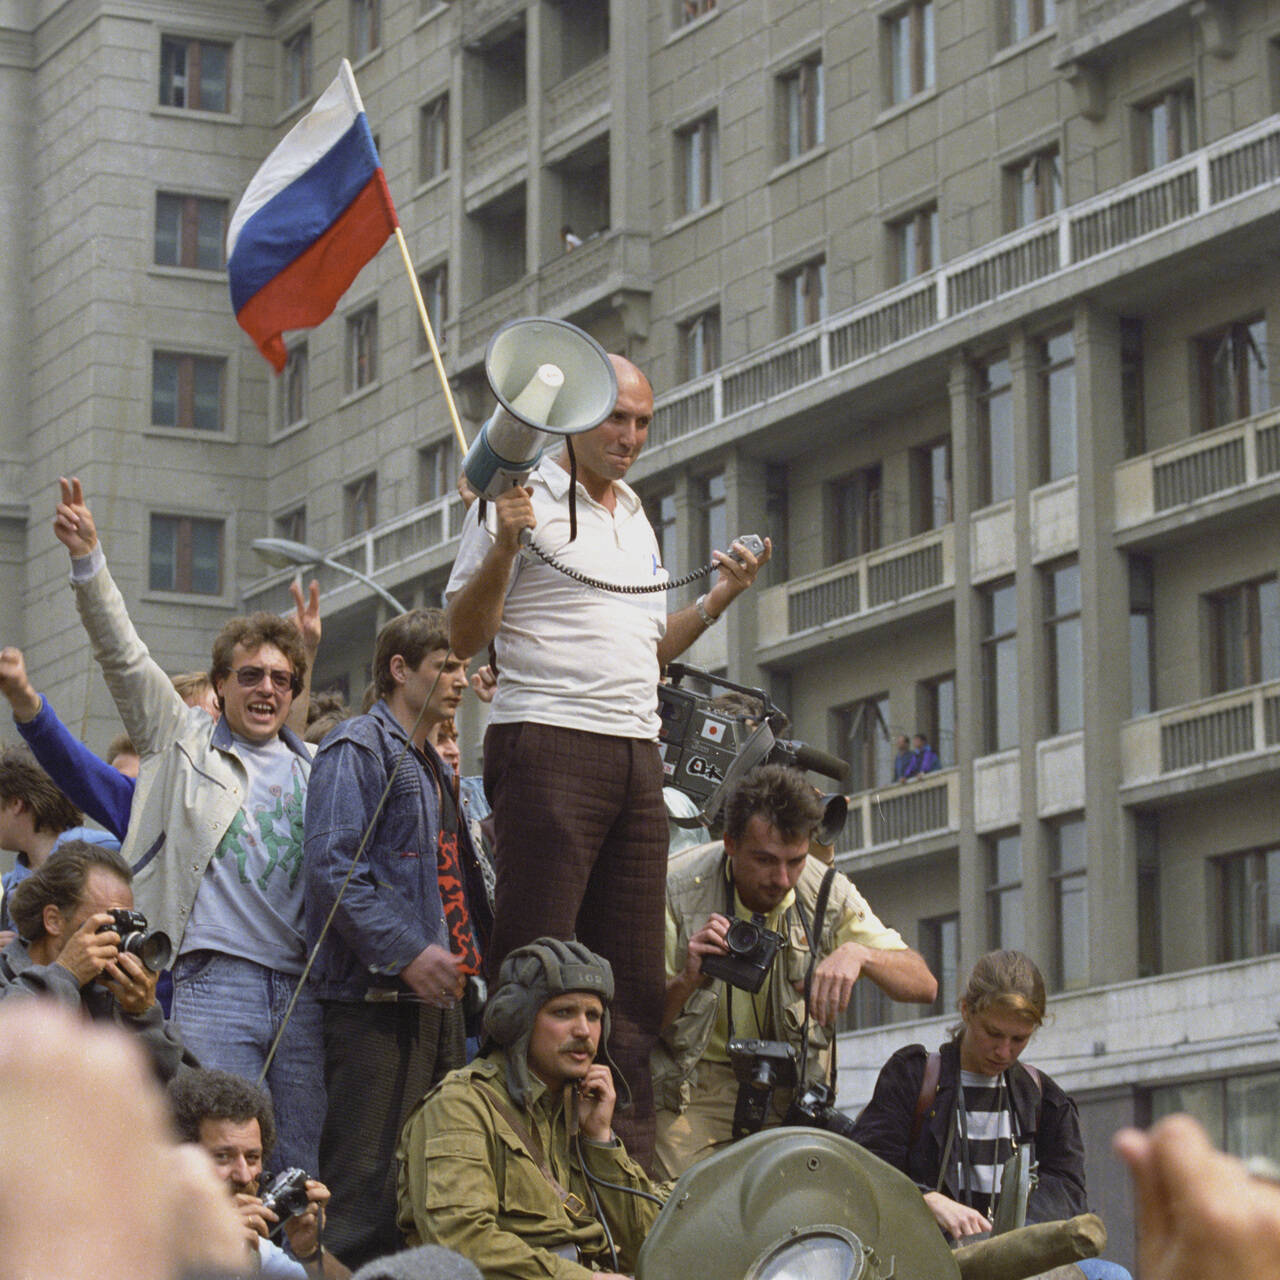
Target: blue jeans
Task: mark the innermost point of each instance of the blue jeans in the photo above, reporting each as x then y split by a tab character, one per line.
1101	1269
229	1011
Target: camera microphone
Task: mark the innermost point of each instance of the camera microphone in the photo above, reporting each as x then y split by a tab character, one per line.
807	757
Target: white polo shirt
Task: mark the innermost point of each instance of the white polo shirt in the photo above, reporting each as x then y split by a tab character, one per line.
569	654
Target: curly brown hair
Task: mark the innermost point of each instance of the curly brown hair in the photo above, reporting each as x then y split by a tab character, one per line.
780	795
253	632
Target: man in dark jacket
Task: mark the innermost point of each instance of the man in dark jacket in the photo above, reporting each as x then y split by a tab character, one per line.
64	953
408	926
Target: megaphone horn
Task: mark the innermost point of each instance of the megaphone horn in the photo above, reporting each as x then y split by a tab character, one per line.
549	378
835	811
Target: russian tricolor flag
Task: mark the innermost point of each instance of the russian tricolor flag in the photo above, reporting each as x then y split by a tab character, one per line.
314	214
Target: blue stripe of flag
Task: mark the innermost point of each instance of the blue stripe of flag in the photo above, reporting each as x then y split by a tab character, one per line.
295	218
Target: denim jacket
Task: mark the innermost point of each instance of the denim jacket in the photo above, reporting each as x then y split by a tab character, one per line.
391	909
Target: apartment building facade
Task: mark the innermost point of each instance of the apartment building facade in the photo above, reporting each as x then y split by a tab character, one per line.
966	303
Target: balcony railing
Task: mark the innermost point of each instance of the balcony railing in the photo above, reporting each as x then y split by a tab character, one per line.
855	587
377	554
902	811
1200	734
1206	466
1173	194
574	102
496	149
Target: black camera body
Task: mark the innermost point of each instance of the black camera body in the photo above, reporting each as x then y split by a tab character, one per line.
761	1066
700	742
286	1197
814	1106
752	949
153	949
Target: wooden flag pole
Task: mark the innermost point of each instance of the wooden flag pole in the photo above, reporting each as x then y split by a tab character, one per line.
431	339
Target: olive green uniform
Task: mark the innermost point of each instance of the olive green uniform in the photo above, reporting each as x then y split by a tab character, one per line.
469	1182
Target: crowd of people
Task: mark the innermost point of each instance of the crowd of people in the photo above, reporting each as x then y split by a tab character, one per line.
414	1024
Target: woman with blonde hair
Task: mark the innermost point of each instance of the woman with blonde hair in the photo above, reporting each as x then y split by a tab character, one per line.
949	1120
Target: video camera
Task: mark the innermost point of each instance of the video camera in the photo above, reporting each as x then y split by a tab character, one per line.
706	747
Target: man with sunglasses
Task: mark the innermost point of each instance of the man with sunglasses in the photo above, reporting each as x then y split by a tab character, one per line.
215	836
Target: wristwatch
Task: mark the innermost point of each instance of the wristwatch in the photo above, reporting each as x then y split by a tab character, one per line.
707	619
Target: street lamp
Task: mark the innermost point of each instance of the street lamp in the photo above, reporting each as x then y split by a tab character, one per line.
283	553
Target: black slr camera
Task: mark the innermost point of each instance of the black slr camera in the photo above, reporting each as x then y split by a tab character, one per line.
153	949
286	1197
761	1066
814	1106
752	949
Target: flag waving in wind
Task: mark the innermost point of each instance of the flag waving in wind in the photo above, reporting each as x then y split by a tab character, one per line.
315	212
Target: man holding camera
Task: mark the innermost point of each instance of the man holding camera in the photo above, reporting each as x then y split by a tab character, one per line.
571	763
738	956
233	1121
388	853
67	913
512	1161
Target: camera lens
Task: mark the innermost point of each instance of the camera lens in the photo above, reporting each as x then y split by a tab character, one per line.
742	938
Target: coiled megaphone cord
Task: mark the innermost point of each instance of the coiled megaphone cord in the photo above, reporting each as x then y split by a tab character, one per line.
630	589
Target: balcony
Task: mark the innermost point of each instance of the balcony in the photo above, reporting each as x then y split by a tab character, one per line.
496	159
390	553
807	611
1188	481
896	814
575	105
1102	29
1200	744
1175	195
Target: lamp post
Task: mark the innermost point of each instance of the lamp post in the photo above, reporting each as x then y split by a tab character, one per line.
281	553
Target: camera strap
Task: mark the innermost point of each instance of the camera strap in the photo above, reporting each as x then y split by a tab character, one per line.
813	935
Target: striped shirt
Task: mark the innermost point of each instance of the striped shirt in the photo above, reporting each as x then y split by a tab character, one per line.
983	1139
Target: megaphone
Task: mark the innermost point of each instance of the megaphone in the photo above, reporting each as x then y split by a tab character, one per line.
550	378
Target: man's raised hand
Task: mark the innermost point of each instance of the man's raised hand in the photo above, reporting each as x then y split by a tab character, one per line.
73	521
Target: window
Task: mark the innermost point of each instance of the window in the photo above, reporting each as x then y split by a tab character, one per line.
293	387
1244	634
186	391
1132	403
362	348
687	11
1068	856
867	1008
292	525
1233	372
713	531
1165	128
195	74
1249	904
909	37
800	97
433	139
804	295
436	472
940	947
995	423
699	151
1056	379
855	520
190	231
915	244
185	554
366	27
434	284
938	715
1142	635
931	485
502	226
661	511
1022	18
1241	1113
700	344
1033	188
498	69
1000	665
297	66
862	737
1146	842
1005	929
777	514
1064	647
360	505
583	31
